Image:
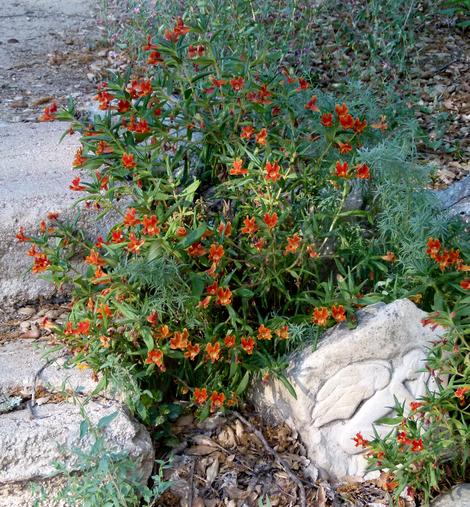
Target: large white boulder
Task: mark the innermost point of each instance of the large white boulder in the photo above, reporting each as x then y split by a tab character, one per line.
459	496
349	382
32	438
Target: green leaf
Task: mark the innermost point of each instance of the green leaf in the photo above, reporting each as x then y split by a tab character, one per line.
244	293
106	420
193	236
244	382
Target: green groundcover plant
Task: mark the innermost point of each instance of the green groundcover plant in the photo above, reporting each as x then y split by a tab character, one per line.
248	213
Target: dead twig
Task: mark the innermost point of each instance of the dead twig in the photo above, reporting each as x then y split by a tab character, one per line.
275	455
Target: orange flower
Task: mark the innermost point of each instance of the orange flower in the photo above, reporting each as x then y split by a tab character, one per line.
76	185
417	445
192	351
217	400
104	311
264	333
320	316
250	225
41	263
154	58
200	395
327	119
153	318
303	85
344	147
272	171
237	169
460	393
248	344
262	136
116	236
259	244
204	303
196	51
128	160
283	332
94	259
150	225
347	121
381	124
162	332
224	296
338	313
341	109
237	83
213	351
181	231
312	104
20	236
134	244
342	169
216	252
247	132
229	341
105	341
360	441
218	82
79	159
155	357
389	257
83	327
225	229
180	340
293	243
196	250
465	284
270	220
359	126
402	438
414	405
130	219
362	172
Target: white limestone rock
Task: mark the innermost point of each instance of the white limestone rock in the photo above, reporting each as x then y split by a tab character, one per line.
349	382
459	496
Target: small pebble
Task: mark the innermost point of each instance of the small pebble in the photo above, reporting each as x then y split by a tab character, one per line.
33	333
53	314
27	311
24	326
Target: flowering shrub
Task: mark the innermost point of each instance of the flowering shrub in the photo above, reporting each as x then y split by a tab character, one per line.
232	181
427	449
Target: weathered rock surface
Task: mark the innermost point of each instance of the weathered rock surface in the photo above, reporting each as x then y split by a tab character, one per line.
30	440
456	199
349	382
459	496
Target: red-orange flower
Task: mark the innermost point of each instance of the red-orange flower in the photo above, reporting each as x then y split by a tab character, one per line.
460	393
20	236
247	132
79	159
414	405
312	104
153	318
360	441
264	333
237	83
417	445
342	169
362	172
192	350
250	225
270	220
272	171
41	263
76	185
341	109
150	225
196	250
229	341
465	284
433	247
217	400
402	438
216	252
359	126
200	395
248	344
130	219
181	231
327	119
116	236
347	121
213	351
338	313
196	51
180	340
344	147
224	296
154	58
293	244
320	316
261	136
49	113
381	124
237	169
123	106
128	160
303	85
218	82
134	244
